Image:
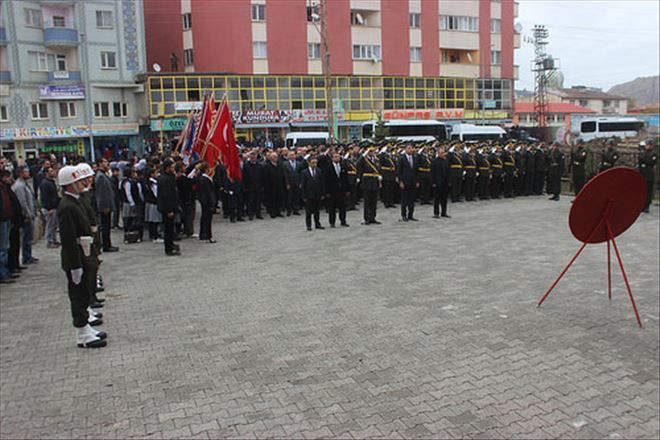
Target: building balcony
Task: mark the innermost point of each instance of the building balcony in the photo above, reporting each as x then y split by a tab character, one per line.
5	76
64	75
60	37
3	36
516	40
459	70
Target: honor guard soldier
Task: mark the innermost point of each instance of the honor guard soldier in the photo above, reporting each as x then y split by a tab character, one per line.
388	170
470	167
540	167
497	168
455	173
519	179
609	157
555	159
369	178
578	159
530	168
646	164
483	166
77	256
424	173
509	162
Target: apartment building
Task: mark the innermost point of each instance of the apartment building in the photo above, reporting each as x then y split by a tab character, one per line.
68	76
386	58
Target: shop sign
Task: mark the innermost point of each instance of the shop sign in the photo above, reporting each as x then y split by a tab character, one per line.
186	106
360	116
43	132
313	115
67	91
429	114
261	116
487	114
174	124
78	147
129	128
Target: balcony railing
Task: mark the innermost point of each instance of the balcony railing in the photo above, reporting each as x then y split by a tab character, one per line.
5	76
64	75
60	37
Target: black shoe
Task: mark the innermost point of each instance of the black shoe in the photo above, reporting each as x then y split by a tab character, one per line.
98	315
309	228
96	305
404	219
13	276
95	322
446	216
173	253
233	220
375	222
102	335
288	214
99	289
97	343
210	240
436	216
99	300
346	225
110	249
413	219
332	225
240	219
33	260
7	281
319	227
260	217
296	213
251	218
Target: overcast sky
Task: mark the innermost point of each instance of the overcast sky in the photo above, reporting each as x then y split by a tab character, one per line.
599	43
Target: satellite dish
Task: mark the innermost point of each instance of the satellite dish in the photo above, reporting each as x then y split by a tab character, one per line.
156	67
359	18
469	57
518	28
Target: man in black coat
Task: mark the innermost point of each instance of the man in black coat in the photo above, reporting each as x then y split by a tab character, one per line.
253	185
206	194
105	203
646	163
292	169
337	190
530	167
440	183
274	186
311	188
577	166
185	187
555	166
168	204
408	182
540	168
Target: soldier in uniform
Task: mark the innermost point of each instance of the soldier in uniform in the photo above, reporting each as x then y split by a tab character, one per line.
647	161
540	167
77	256
350	162
509	171
455	174
519	176
369	178
497	168
609	157
483	165
470	167
424	173
388	170
578	159
555	159
530	167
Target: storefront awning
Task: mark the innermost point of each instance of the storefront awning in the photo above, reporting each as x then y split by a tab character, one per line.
273	125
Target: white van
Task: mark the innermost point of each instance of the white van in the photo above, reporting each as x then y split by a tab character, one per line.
306	138
407	130
607	127
471	132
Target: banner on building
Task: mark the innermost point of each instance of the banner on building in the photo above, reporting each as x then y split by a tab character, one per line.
125	129
9	134
66	91
174	124
261	116
313	115
430	114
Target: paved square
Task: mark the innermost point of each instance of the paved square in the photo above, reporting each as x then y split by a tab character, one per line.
424	329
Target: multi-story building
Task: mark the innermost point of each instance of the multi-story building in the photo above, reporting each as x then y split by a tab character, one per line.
68	75
592	98
451	59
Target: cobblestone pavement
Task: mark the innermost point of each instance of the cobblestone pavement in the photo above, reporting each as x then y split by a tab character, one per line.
424	329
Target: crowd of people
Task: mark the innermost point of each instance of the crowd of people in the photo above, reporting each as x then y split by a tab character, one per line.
79	204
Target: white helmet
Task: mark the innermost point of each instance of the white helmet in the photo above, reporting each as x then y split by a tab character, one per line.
68	175
85	171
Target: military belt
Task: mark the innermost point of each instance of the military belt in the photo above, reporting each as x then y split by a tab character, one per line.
426	170
484	168
497	166
352	173
370	174
509	163
387	168
455	166
470	167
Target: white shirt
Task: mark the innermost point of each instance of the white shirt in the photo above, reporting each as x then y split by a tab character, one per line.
338	169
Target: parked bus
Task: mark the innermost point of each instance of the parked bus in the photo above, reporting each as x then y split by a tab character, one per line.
407	130
306	138
471	132
607	127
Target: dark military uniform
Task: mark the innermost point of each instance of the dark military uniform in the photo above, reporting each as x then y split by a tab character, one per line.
540	168
483	165
388	170
578	159
608	159
368	172
470	167
351	170
455	175
509	172
646	163
90	216
519	176
555	160
497	168
73	224
530	168
424	173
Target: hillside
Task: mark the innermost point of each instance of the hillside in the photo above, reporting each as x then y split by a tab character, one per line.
643	90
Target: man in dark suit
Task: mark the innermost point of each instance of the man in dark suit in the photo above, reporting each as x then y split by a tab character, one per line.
274	186
440	183
206	195
168	204
311	187
253	185
336	189
408	182
105	199
292	170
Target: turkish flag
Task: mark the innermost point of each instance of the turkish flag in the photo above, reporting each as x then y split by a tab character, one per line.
227	143
205	121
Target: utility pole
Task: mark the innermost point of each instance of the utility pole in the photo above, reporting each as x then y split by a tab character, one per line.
543	66
329	106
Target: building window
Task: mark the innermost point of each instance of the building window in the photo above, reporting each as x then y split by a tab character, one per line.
108	60
495	57
495	25
415	54
68	109
258	12
33	17
313	13
104	19
187	21
607	103
58	21
584	103
259	49
120	109
366	52
60	62
38	61
358	19
39	110
3	113
188	57
314	51
415	20
101	110
459	23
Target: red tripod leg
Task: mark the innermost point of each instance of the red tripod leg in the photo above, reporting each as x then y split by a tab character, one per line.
562	273
609	273
623	272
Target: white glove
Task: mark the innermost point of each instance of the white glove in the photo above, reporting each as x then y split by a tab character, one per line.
76	275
